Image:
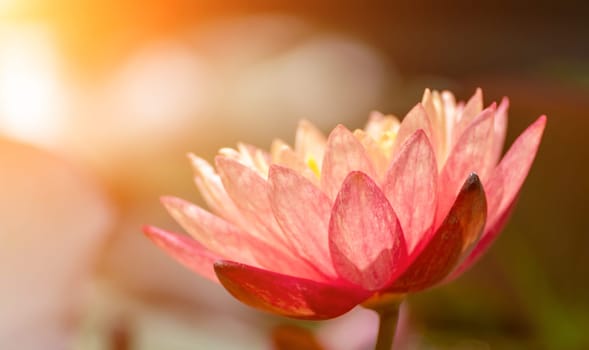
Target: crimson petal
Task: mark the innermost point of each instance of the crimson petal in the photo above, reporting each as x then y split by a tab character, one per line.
287	295
457	234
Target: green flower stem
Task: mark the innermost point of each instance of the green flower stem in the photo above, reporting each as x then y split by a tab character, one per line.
387	307
388	318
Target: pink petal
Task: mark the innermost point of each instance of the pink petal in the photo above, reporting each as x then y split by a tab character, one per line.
366	240
379	160
212	190
468	155
309	141
214	233
416	119
505	183
507	179
471	110
258	158
433	105
378	123
302	211
411	185
343	155
457	234
499	132
185	250
283	155
249	192
286	295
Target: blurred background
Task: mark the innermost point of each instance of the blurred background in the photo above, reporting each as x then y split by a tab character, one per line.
100	101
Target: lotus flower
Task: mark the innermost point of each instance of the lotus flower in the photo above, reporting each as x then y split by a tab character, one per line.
397	207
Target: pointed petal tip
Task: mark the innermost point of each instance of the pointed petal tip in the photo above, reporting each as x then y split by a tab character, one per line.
304	123
167	199
472	180
356	176
221	160
375	114
155	234
146	229
542	120
194	159
274	170
419	134
219	265
341	128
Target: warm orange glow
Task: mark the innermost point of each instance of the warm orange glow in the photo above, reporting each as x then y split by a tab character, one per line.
31	92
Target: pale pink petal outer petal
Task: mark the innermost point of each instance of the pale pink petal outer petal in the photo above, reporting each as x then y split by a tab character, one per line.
365	238
505	183
257	157
185	250
468	155
416	119
499	132
471	110
214	233
410	186
211	188
450	114
226	239
433	105
283	155
379	123
223	240
458	233
309	141
286	295
374	151
249	192
344	154
302	211
509	176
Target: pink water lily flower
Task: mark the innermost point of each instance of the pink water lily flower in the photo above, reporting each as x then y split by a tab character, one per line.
310	232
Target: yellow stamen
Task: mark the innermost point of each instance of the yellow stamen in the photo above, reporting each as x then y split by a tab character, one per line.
312	164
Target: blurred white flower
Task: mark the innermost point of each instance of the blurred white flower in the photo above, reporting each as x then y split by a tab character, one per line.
53	220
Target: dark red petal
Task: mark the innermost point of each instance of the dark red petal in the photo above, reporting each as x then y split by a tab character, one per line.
505	183
487	238
457	234
286	295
